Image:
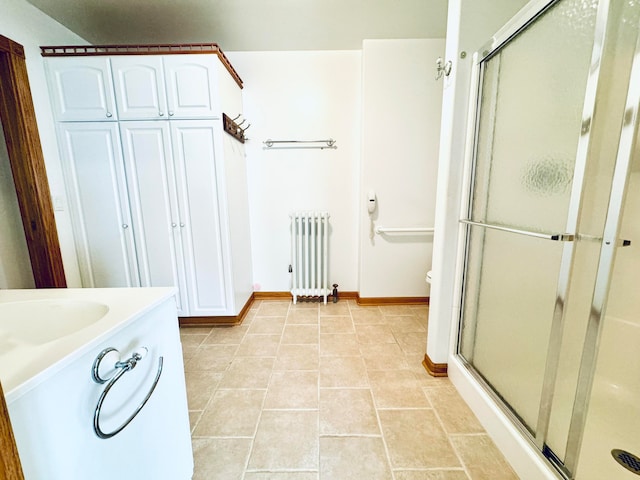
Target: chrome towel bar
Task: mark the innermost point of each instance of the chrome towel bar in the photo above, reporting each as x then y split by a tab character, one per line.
382	230
289	144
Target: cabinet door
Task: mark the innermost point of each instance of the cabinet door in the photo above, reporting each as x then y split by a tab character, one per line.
151	181
95	180
191	81
204	240
139	87
81	89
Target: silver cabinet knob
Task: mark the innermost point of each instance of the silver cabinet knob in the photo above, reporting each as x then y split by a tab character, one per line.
109	114
161	114
170	113
182	224
124	225
174	225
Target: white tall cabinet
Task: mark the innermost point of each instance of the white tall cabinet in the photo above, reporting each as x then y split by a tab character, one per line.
157	191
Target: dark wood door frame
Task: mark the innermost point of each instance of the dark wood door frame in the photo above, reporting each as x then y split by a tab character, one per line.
10	467
27	167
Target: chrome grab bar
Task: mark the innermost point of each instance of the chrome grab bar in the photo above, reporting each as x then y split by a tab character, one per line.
381	230
558	237
122	368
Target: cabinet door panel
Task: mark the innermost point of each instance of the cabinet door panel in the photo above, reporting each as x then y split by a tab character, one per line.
190	81
95	179
139	86
81	89
150	176
200	213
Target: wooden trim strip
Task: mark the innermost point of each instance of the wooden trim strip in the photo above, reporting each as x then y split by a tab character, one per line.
28	168
229	321
434	369
153	49
10	467
393	301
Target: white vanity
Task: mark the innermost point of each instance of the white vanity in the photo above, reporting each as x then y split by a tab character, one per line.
75	418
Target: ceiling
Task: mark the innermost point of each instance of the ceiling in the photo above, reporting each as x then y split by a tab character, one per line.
247	25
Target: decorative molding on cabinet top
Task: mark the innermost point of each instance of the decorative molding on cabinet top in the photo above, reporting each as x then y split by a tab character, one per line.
9	46
158	49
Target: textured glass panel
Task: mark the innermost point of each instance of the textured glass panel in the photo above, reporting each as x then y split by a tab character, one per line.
605	134
510	292
532	100
613	420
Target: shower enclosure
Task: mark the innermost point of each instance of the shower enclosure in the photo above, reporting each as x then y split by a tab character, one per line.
550	289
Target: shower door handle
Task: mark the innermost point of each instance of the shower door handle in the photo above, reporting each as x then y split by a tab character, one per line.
557	237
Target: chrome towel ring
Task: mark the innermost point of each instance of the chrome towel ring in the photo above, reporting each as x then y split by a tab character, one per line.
121	367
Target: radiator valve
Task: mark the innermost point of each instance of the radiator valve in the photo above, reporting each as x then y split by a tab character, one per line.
335	293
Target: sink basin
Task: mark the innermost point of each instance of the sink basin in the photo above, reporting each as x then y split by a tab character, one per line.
36	322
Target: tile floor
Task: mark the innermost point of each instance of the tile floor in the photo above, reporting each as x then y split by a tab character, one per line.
315	392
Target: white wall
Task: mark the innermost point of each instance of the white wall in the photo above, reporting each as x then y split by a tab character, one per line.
301	96
470	24
400	135
25	24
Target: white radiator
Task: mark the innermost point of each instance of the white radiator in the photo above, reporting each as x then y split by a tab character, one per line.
309	254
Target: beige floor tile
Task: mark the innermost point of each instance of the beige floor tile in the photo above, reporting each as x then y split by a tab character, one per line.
192	339
194	417
195	330
259	345
273	309
412	343
302	304
383	356
231	413
188	353
367	316
455	414
281	476
397	389
286	440
430	475
220	458
226	335
353	458
200	386
370	334
297	357
482	458
415	439
397	309
211	357
347	412
339	308
300	334
302	316
272	325
385	362
248	372
336	324
292	389
343	372
333	344
406	324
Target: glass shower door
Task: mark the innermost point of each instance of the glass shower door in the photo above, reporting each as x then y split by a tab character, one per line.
528	132
550	310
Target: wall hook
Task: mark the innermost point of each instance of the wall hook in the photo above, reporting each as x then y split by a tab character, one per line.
443	67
